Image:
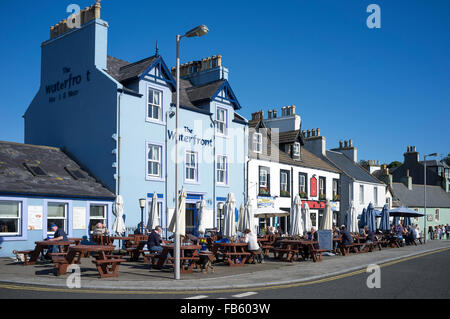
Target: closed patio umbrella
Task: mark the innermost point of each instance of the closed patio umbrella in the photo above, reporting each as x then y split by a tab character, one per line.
354	219
296	218
153	214
406	221
327	220
384	222
370	218
202	218
362	219
229	228
396	220
240	224
118	226
248	220
181	214
306	217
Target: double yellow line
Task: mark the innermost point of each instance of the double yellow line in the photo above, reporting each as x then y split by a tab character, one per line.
184	292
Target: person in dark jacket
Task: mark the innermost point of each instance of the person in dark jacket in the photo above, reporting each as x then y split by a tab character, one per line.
347	238
154	240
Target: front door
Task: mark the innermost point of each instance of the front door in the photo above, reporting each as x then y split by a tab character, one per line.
191	218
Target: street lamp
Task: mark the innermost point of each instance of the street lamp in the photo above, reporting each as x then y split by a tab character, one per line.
425	195
198	31
142	205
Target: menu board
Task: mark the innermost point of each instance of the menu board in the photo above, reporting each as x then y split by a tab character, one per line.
79	218
35	214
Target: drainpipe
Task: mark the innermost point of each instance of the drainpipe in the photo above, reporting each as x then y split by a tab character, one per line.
214	167
118	144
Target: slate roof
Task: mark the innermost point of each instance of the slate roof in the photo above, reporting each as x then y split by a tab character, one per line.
307	159
191	97
290	137
436	196
354	170
15	178
124	71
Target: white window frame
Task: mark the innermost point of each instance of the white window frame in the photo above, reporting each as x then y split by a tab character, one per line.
159	162
375	195
265	173
361	194
18	218
222	122
66	213
286	183
437	214
296	149
300	185
152	104
190	166
257	143
222	169
105	219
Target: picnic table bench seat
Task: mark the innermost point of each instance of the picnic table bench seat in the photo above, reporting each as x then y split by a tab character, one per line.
108	267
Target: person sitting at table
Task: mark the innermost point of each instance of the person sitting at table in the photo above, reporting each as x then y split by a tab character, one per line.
100	229
398	230
154	240
251	239
411	235
347	238
370	236
59	234
312	235
141	229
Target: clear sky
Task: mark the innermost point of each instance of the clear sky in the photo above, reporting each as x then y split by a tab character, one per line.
384	88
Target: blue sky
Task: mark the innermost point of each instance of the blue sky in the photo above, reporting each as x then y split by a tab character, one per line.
384	88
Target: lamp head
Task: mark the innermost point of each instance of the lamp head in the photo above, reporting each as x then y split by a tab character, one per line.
198	31
142	202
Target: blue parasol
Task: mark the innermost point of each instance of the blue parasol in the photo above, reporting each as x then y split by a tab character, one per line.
384	222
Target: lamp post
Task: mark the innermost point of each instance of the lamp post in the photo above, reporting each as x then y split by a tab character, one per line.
425	195
198	31
142	205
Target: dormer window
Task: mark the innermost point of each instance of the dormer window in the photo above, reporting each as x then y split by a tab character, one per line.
221	121
154	105
296	149
257	143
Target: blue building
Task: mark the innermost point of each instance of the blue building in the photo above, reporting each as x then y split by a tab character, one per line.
41	185
118	119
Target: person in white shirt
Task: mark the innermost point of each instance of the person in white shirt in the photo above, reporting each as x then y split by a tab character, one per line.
416	229
253	246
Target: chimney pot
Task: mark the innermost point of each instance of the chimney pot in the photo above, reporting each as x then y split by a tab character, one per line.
274	113
293	109
304	133
269	114
313	132
345	144
350	143
340	144
318	131
308	132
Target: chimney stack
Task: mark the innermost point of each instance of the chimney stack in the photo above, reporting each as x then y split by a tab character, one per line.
83	17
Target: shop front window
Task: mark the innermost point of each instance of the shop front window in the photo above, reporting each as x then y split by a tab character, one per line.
10	218
56	214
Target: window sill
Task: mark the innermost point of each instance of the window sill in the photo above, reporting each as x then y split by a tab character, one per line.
154	179
192	182
222	185
150	120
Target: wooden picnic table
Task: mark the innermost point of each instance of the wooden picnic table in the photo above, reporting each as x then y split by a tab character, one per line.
234	254
107	264
189	255
31	256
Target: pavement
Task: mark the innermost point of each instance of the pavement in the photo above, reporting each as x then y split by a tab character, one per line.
137	276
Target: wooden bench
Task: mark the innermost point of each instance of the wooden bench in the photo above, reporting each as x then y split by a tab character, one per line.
355	247
317	254
279	253
63	261
186	263
231	258
108	267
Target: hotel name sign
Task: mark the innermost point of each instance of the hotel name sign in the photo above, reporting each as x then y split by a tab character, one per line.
188	136
66	87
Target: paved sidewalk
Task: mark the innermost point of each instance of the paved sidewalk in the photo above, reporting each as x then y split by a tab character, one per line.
137	276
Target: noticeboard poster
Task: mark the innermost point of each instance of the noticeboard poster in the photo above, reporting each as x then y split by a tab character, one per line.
35	214
79	218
